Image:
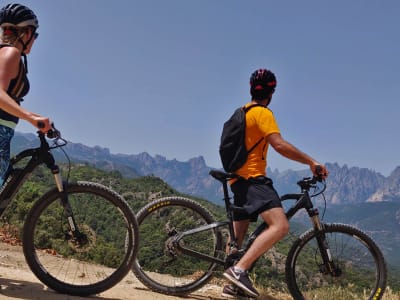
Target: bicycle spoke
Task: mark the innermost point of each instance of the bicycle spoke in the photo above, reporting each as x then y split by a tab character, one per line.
161	264
357	268
93	258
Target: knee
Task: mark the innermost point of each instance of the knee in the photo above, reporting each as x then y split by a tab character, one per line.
282	228
285	228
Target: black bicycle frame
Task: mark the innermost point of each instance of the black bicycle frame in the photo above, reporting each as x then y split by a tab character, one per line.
188	251
303	201
17	176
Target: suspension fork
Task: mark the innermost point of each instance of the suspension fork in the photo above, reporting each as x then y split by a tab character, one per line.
65	203
328	265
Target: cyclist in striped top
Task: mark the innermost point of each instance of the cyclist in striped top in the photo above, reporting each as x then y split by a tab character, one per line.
18	26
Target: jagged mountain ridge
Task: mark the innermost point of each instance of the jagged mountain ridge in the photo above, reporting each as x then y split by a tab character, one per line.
345	184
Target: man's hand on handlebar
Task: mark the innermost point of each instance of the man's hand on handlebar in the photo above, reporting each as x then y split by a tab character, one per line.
319	170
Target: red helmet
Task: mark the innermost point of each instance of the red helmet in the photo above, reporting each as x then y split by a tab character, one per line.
263	79
262	84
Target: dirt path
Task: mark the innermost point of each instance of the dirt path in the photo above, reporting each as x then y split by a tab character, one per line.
18	282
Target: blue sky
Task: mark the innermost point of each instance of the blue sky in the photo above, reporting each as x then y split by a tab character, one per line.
163	76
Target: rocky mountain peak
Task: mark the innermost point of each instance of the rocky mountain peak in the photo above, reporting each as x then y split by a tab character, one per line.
346	184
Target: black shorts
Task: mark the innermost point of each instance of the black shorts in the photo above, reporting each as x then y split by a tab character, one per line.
255	195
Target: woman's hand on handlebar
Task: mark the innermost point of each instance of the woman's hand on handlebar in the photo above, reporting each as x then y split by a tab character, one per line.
42	123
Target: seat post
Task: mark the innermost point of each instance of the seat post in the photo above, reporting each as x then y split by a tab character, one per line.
233	245
224	178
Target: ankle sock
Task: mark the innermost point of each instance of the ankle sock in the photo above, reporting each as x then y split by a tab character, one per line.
238	270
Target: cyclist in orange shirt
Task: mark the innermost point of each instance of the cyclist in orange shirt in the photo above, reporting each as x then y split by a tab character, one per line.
255	192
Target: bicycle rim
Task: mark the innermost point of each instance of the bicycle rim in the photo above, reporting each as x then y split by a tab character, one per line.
160	265
361	264
89	266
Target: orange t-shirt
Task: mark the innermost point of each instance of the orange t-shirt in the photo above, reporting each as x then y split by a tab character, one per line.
260	122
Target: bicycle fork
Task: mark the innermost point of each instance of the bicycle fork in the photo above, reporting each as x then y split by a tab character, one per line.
78	238
328	266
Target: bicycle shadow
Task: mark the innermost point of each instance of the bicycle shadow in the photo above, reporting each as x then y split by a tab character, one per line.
200	297
19	289
211	295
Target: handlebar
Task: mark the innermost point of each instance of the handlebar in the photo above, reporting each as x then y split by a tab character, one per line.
308	182
53	133
311	182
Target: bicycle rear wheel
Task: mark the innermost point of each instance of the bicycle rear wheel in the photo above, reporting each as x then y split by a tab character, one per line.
362	269
95	263
160	265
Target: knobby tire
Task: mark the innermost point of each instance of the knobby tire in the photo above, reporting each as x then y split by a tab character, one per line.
108	225
160	265
362	265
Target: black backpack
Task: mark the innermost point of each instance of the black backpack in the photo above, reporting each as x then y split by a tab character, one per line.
232	149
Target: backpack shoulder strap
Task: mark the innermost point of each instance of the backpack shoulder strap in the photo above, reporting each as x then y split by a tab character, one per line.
246	109
255	145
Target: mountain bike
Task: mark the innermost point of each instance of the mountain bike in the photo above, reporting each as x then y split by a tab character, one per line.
73	235
182	246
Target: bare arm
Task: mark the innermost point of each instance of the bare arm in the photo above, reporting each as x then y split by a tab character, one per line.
9	64
289	151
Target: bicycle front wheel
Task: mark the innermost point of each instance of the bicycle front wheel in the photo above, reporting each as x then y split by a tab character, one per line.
96	260
361	269
160	264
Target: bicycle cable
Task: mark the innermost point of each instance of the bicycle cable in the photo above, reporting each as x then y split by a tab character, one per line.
322	193
323	212
56	144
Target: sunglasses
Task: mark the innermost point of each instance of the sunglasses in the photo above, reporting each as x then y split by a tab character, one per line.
9	30
13	30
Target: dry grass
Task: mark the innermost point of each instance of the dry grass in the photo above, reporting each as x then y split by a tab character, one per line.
390	295
269	294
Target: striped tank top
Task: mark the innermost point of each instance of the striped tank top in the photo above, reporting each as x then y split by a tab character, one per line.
17	89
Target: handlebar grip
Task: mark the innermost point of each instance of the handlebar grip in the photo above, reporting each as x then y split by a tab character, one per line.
318	170
41	124
320	174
